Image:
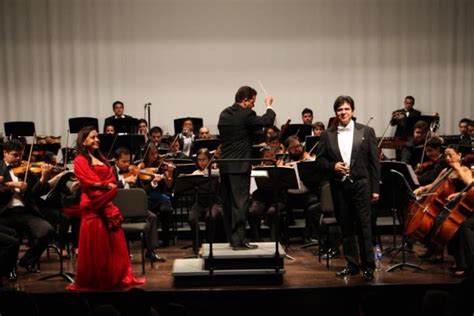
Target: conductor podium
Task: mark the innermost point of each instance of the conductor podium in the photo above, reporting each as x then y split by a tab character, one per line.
220	264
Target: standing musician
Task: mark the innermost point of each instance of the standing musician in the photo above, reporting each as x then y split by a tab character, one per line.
200	208
400	117
237	125
127	179
461	246
348	153
118	109
18	209
159	189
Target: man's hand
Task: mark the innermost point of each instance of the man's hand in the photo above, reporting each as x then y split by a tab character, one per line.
341	168
17	185
375	197
268	100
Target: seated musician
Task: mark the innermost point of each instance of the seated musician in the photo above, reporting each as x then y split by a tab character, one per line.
464	138
159	190
18	209
156	137
127	180
204	133
187	136
318	128
307	116
175	152
109	129
200	208
461	246
306	197
415	144
263	206
275	144
429	170
143	127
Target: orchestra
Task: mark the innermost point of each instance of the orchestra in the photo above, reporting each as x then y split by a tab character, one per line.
38	193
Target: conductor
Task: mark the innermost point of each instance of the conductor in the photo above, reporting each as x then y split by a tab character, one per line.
237	125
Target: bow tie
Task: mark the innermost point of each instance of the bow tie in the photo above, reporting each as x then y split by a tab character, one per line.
343	129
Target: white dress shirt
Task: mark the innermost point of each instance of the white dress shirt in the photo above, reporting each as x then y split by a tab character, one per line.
345	137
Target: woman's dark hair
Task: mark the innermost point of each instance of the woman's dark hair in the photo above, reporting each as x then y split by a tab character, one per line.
343	99
319	125
142	121
81	149
455	147
150	149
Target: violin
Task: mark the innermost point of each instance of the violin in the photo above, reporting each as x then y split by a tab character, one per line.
423	166
35	168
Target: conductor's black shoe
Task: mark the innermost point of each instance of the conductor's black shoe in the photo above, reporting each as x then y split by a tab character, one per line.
348	270
368	274
244	246
154	257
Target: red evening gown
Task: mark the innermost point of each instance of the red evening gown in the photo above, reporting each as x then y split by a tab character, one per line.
103	262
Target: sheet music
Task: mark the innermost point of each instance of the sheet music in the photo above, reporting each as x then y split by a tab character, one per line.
413	176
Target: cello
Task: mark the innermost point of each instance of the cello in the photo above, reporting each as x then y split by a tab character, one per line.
453	215
423	213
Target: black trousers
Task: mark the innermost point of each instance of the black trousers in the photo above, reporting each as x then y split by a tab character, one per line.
352	209
236	200
9	247
40	232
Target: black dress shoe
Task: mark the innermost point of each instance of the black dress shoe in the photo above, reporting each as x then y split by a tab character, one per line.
348	270
12	277
368	274
154	257
244	246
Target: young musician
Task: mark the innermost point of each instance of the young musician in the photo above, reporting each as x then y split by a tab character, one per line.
103	262
128	180
159	190
200	208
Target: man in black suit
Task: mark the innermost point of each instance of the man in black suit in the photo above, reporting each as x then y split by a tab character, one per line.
348	153
402	117
17	204
118	109
237	125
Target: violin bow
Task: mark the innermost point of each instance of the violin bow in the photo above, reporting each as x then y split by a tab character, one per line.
29	158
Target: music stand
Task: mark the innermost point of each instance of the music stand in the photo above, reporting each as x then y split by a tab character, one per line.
184	168
197	124
193	184
19	128
68	276
277	179
400	175
300	130
110	143
211	144
127	125
77	123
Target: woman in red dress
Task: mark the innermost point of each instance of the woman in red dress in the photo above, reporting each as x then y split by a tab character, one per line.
103	262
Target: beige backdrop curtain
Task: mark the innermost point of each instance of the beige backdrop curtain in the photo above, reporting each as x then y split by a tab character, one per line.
67	58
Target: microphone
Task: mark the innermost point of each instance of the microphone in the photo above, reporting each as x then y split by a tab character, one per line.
371	118
147	104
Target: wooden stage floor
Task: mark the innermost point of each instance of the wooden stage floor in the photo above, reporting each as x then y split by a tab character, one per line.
307	282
